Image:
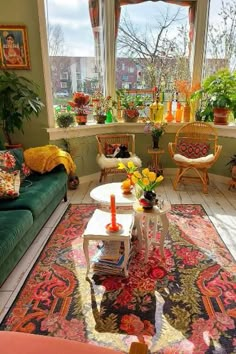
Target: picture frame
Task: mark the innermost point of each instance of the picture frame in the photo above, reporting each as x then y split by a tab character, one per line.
14	50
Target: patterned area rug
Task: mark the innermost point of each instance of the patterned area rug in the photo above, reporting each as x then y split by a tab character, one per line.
185	305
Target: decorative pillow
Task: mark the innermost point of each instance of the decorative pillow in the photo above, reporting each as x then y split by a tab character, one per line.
13	160
9	184
110	149
192	150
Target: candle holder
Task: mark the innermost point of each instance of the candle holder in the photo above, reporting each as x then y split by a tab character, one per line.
114	228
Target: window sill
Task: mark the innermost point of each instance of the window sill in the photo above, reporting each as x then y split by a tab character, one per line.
92	129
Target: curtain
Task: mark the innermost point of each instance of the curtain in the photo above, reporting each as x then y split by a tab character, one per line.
94	12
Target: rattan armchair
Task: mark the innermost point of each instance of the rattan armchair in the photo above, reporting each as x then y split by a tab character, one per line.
195	149
109	165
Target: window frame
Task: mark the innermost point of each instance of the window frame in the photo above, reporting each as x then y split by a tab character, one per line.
198	49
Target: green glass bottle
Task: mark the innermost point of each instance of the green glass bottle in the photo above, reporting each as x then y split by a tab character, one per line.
109	117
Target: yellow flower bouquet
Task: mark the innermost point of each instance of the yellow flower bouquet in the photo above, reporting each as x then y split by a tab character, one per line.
130	168
147	180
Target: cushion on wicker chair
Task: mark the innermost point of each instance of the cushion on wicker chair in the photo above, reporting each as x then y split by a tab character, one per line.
109	162
181	158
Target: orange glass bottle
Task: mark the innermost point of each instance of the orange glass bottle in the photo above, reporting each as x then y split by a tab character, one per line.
179	113
169	116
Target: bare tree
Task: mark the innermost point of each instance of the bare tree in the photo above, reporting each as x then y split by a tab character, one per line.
55	40
154	48
221	36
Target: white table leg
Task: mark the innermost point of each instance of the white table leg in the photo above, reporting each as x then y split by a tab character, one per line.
137	224
86	253
126	255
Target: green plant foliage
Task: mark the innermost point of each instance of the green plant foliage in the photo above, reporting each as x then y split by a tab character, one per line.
130	101
18	102
64	120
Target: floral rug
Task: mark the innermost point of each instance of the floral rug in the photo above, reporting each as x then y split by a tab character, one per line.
183	305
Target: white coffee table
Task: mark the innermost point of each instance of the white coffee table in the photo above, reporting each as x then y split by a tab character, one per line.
103	192
96	231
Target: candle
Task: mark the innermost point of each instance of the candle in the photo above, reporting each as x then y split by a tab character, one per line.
113	203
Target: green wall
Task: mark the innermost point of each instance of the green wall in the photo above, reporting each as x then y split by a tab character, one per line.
84	152
25	12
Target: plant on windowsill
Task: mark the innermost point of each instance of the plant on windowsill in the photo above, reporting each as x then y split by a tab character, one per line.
218	95
130	105
102	105
19	101
80	104
65	119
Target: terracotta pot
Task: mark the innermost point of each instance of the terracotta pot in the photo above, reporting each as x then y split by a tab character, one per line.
81	119
221	116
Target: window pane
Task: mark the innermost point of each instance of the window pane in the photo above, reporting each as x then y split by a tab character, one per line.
71	48
221	39
152	48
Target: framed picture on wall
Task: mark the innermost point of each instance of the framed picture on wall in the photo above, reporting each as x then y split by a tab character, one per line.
14	50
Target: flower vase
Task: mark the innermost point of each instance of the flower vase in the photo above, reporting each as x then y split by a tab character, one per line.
186	114
148	200
155	142
109	117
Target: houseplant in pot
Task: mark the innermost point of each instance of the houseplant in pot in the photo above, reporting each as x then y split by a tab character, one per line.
130	104
101	106
19	101
219	93
80	104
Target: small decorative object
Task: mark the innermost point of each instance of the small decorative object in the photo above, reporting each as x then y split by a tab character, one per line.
73	182
14	52
113	226
109	117
156	109
80	104
101	106
156	130
169	116
147	181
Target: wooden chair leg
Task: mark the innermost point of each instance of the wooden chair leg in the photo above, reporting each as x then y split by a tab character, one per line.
101	176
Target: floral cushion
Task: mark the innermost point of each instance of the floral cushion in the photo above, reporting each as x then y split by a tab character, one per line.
13	160
9	184
192	150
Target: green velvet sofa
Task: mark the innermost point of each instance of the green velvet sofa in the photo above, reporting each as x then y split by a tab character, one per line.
21	219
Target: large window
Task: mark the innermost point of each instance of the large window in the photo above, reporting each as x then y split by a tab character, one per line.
221	38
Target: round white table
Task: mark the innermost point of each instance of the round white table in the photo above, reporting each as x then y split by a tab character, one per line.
103	192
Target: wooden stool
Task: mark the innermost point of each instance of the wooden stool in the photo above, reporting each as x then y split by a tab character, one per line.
156	156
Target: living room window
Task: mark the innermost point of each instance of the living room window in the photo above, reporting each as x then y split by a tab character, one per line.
73	50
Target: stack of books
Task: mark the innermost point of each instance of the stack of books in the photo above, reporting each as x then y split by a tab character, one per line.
109	259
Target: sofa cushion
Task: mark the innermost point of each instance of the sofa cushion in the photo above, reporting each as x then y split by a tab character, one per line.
14	224
38	193
13	160
9	184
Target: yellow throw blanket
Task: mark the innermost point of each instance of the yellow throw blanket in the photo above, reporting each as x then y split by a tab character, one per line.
44	158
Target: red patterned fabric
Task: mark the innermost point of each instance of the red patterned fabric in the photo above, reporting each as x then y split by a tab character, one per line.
193	150
110	148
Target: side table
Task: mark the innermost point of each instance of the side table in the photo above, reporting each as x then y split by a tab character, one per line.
147	221
96	231
156	157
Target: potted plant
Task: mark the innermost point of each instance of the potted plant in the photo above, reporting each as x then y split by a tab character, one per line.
80	104
232	164
218	93
19	101
65	119
101	106
130	104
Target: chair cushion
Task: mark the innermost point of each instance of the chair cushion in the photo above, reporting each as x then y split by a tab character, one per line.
181	158
110	149
192	150
107	162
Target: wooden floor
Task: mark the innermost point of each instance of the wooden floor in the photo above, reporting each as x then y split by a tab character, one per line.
219	204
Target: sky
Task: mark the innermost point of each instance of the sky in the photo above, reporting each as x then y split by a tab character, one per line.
73	16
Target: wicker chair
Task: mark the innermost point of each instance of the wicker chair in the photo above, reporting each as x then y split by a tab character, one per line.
109	165
195	149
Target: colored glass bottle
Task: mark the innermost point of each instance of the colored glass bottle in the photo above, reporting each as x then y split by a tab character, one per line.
169	116
156	111
178	113
109	117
